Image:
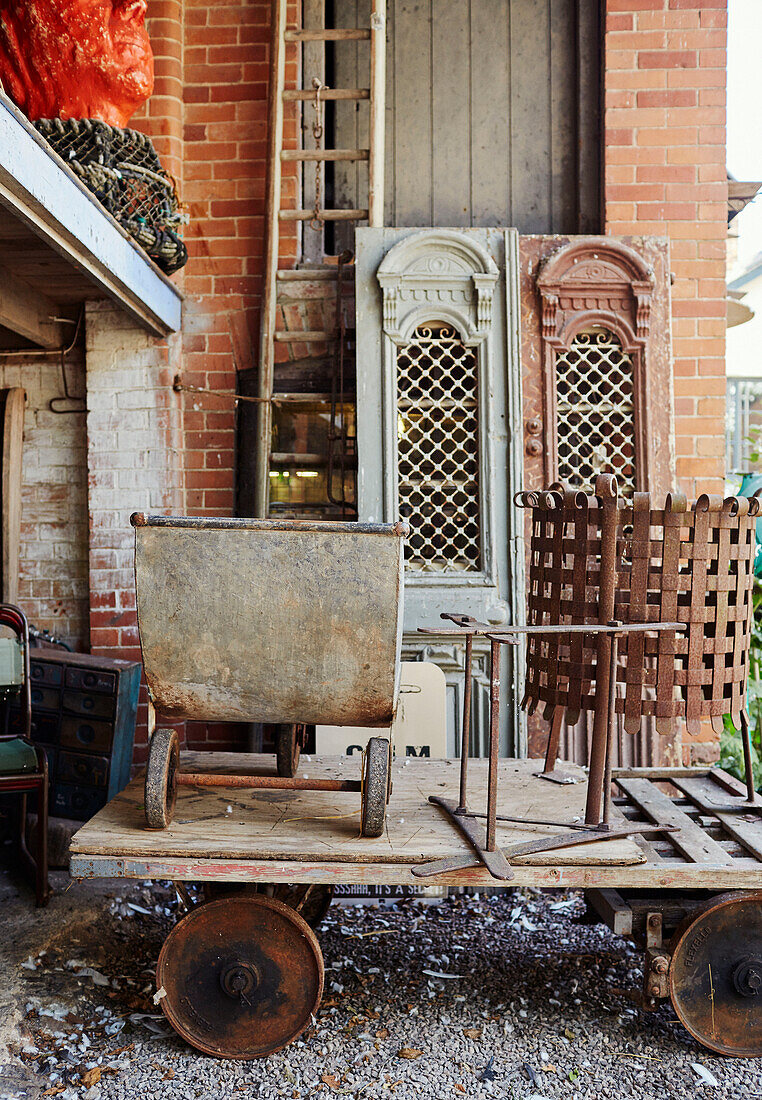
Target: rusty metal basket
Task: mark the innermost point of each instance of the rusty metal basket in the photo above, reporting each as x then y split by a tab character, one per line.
633	610
596	558
601	558
285	622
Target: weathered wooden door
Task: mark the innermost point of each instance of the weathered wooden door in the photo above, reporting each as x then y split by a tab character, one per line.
492	114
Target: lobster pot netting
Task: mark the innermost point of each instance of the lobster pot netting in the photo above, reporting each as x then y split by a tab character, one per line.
672	564
123	170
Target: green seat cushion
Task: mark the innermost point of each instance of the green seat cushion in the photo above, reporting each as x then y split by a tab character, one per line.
17	756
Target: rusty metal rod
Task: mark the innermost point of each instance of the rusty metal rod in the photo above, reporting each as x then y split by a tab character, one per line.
554	741
606	491
536	821
494	739
265	782
184	387
544	844
494	861
751	793
508	632
465	737
613	659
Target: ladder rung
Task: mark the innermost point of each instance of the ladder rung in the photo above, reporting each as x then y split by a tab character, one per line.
292	95
325	215
300	395
325	154
343	34
306	274
306	337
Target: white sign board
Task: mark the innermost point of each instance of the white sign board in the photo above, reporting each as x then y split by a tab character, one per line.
420	727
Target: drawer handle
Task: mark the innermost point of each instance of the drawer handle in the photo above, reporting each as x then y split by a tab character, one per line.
86	734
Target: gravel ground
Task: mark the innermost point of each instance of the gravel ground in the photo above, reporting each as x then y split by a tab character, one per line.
536	1004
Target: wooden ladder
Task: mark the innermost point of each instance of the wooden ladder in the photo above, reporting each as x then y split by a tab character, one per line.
275	213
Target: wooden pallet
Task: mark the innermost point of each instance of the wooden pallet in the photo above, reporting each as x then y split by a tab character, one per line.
303	836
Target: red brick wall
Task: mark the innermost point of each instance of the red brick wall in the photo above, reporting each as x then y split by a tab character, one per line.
164	114
665	174
208	120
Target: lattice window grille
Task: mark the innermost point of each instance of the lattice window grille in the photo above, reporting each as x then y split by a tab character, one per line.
595	411
438	451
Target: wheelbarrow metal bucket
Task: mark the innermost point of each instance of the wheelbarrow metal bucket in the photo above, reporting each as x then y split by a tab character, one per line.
270	620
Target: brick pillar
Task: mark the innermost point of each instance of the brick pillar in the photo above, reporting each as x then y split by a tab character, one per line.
665	174
134	457
226	74
162	117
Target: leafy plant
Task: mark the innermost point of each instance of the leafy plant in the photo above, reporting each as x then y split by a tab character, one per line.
731	748
731	755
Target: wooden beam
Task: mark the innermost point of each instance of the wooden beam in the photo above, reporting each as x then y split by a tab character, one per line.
28	313
325	154
297	95
377	113
270	260
691	840
612	909
339	34
354	215
13	403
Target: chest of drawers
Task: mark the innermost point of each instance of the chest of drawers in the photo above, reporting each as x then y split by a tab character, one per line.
83	715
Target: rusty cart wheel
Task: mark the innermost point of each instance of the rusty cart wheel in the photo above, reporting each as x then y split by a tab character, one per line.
161	778
375	787
242	976
715	976
288	748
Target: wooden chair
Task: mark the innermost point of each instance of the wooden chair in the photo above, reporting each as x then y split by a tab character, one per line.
23	765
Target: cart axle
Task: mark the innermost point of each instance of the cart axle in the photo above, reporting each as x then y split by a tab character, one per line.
266	782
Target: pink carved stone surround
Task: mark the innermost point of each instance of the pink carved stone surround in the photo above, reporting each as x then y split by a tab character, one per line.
597	282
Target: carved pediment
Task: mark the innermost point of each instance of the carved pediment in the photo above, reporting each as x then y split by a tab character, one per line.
439	264
599	276
595	272
443	271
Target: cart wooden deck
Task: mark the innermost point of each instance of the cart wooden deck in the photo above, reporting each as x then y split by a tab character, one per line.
243	835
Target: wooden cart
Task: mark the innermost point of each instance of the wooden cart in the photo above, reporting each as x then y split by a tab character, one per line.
242	974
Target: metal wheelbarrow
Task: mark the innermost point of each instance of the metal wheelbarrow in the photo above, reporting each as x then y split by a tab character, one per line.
283	622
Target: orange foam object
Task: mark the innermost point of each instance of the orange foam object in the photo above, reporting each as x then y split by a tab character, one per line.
76	58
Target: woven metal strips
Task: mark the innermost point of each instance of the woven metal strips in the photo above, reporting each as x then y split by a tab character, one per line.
672	564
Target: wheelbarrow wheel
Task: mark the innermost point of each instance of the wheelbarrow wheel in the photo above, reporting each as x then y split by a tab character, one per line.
288	748
375	787
161	778
240	977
